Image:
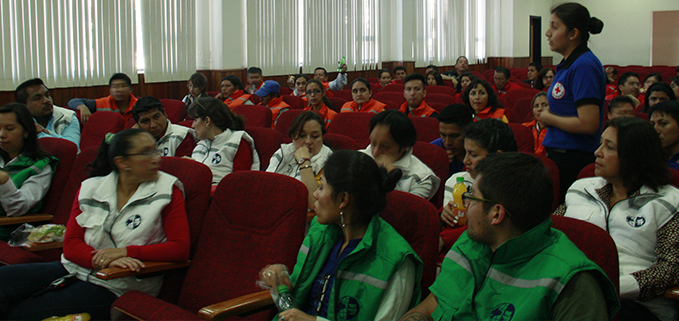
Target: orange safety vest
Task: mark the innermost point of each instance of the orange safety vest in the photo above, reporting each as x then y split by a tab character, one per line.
236	99
110	104
486	113
423	110
326	113
372	106
277	106
538	136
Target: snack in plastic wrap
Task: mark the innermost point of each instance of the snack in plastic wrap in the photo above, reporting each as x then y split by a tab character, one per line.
27	234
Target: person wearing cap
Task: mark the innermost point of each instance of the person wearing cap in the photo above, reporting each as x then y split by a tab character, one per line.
271	97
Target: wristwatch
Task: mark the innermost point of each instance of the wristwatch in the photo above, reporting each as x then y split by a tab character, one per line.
301	160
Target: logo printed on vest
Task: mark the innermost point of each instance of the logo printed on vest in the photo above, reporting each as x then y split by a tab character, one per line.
347	308
502	312
558	91
216	159
636	222
166	151
133	222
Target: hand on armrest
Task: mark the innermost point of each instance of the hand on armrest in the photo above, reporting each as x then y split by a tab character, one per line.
236	306
149	267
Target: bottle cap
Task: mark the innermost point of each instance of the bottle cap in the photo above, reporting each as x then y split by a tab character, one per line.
283	288
460	179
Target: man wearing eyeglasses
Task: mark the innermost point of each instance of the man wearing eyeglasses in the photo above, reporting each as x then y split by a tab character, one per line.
510	264
120	99
171	139
271	97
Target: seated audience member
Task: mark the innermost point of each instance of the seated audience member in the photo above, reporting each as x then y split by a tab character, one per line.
434	79
465	80
452	121
414	93
502	84
318	102
545	77
255	79
675	86
363	101
153	229
120	99
350	252
481	98
384	78
621	106
171	139
664	118
430	68
658	93
223	144
628	84
481	139
611	76
305	157
331	87
510	264
461	67
651	79
532	73
25	168
632	199
233	92
400	72
197	86
392	136
50	120
538	128
271	97
300	85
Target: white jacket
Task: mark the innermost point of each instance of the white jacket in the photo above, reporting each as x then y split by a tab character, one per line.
417	179
173	137
633	224
218	154
283	161
138	223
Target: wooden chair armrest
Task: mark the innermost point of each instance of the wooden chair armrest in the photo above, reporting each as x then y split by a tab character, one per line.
236	306
151	267
672	293
34	247
28	218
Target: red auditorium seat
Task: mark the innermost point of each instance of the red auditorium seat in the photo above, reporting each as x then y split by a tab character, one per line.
446	90
98	125
255	115
394	87
344	94
444	99
437	160
267	142
354	125
427	128
523	109
286	91
294	102
285	120
513	95
175	110
393	96
524	137
265	214
337	103
337	142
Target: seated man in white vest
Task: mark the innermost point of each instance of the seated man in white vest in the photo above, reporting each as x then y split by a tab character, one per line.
50	120
511	264
171	139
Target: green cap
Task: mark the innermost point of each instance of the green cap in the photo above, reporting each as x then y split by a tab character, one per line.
283	288
460	179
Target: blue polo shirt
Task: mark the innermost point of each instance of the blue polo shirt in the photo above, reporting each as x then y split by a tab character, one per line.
579	80
455	166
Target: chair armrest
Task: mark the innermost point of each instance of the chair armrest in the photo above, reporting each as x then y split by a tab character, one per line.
236	306
672	293
34	247
151	267
28	218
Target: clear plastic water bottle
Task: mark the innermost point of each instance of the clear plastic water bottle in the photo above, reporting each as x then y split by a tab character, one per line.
285	299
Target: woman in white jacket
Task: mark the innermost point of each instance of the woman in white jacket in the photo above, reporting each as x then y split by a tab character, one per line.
632	200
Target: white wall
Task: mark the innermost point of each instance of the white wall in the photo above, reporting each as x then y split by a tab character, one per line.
522	11
221	33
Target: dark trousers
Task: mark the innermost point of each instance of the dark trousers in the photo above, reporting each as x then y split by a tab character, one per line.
570	163
633	311
19	282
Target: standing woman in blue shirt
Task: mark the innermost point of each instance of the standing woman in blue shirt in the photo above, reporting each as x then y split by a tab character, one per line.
577	93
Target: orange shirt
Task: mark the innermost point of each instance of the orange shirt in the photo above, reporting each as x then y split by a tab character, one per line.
110	104
277	106
372	106
486	113
236	99
538	136
325	112
328	91
509	86
423	110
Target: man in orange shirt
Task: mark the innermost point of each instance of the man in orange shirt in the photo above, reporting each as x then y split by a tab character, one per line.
270	95
414	93
255	79
502	84
336	85
120	99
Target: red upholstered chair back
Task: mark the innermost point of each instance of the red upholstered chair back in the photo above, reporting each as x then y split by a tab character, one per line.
524	137
488	75
267	142
175	110
398	87
344	94
337	142
504	103
70	188
554	174
513	95
255	115
437	160
294	102
393	96
286	91
98	125
427	128
66	152
446	90
597	245
439	98
255	219
418	222
285	120
354	125
523	109
213	93
337	103
512	117
373	80
390	105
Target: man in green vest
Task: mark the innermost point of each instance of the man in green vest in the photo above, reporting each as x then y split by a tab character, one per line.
510	264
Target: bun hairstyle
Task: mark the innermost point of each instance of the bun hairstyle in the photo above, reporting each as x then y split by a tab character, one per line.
358	175
576	16
112	146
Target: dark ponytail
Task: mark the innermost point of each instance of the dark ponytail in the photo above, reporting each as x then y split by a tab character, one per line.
576	16
219	113
112	146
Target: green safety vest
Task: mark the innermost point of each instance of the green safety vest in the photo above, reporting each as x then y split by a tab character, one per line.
520	281
362	276
23	168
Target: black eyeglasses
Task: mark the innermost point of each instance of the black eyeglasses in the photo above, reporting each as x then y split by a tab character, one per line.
467	198
148	154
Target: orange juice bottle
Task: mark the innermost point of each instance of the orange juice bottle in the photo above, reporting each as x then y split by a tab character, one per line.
458	204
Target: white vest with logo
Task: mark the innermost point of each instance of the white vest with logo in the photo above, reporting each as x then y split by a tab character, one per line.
173	137
218	154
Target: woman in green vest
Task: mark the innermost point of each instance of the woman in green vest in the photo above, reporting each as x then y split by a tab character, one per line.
352	265
25	175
